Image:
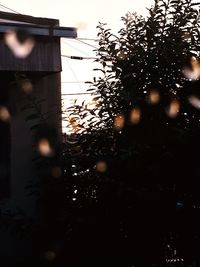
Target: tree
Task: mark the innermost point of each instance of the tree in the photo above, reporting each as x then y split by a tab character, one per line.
145	129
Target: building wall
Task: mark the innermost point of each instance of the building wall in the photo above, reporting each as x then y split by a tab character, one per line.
46	87
44	57
42	68
4	141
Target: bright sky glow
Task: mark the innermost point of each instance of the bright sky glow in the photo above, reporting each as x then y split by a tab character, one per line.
84	15
78	12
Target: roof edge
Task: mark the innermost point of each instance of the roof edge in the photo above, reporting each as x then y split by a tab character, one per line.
54	31
29	19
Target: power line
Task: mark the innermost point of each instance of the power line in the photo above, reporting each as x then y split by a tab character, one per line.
78	58
3	9
79	50
93	46
74	74
83	42
88	39
77	82
10	9
76	94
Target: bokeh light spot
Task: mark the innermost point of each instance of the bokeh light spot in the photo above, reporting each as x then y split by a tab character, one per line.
119	121
101	166
20	47
135	116
81	25
45	148
194	101
153	97
173	109
56	172
192	73
91	104
26	86
4	114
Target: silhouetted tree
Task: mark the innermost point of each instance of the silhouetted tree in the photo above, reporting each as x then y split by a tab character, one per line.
144	132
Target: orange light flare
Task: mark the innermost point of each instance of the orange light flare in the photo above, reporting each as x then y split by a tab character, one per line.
135	116
173	109
81	25
192	73
101	166
153	97
119	121
45	148
91	104
73	124
20	46
56	172
194	101
4	114
26	86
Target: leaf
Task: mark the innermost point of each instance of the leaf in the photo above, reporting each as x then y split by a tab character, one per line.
41	100
34	127
32	117
28	106
96	69
89	82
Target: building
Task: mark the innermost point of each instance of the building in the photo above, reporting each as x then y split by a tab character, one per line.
28	85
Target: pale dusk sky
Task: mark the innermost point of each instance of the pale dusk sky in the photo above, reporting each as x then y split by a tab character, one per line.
85	15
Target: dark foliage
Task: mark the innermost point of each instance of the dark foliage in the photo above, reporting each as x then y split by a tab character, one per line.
125	191
146	130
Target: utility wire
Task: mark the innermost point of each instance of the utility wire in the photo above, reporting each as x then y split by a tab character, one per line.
3	9
76	82
76	94
74	74
78	58
88	39
79	50
93	46
10	9
83	42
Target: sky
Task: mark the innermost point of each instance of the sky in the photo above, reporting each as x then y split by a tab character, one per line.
85	15
72	13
